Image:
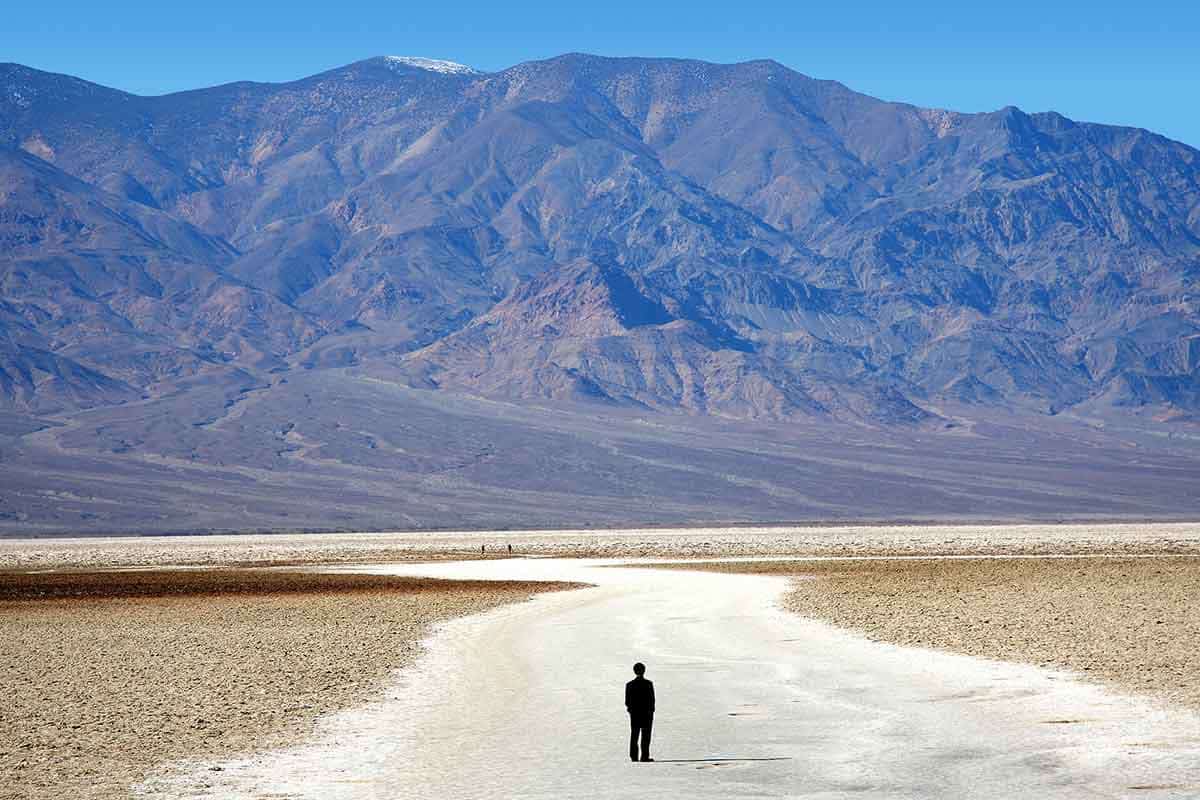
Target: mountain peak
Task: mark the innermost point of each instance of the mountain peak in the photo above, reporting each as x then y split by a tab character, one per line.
431	64
625	221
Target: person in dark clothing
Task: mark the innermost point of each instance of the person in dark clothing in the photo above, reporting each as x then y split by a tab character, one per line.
639	702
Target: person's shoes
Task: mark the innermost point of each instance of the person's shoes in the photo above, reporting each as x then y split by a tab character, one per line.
647	759
634	760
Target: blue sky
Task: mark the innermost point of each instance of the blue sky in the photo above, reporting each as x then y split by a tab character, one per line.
1131	63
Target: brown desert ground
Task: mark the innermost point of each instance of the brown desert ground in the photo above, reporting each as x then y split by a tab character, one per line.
108	674
1130	622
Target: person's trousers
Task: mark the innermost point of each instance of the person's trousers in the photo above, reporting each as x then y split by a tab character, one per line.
640	726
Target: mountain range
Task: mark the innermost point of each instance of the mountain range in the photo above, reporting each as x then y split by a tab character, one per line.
617	236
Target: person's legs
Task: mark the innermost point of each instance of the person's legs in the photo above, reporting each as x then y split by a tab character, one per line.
633	737
647	724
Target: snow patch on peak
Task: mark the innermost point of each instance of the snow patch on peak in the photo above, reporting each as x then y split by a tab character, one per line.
942	122
431	64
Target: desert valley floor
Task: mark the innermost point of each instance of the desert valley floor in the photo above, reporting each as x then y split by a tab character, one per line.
326	679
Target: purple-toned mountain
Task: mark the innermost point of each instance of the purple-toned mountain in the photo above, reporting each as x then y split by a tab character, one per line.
105	299
735	240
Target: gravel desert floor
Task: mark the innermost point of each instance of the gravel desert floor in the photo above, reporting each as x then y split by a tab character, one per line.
1129	622
107	674
126	664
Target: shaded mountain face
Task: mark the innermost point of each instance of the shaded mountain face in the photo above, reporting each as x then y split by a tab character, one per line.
735	240
105	298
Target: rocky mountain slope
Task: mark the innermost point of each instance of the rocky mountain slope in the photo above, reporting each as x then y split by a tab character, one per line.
738	240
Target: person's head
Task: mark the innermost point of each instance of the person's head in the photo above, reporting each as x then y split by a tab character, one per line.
639	669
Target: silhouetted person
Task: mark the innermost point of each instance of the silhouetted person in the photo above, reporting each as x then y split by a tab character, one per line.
639	702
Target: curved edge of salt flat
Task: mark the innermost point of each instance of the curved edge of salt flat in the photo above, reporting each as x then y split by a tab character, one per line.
524	702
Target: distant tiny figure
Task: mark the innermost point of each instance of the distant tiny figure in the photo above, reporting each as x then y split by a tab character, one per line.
482	549
639	702
510	549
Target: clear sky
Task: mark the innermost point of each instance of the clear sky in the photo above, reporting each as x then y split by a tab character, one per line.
1135	62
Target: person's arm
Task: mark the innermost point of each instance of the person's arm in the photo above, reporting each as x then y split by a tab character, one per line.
628	698
651	697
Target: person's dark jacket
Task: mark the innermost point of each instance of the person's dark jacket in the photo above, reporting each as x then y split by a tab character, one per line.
639	697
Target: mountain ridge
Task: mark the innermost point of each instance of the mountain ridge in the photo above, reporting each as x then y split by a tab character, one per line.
857	247
935	112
